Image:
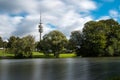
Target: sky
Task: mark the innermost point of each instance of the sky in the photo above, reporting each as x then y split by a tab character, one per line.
21	17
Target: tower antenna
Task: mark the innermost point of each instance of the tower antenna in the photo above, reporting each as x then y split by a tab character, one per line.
40	18
40	26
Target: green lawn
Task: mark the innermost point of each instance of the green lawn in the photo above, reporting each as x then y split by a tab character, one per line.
63	55
3	54
66	55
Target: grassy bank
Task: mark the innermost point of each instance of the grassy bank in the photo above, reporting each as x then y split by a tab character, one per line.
63	55
3	54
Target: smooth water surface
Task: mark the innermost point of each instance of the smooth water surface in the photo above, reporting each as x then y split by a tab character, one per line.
60	69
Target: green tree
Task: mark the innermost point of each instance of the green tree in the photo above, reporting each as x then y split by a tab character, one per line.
5	46
114	41
18	48
28	45
1	42
101	38
10	44
54	42
21	47
94	38
76	41
38	46
113	37
11	41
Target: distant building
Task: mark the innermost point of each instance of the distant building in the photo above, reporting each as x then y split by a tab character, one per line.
1	48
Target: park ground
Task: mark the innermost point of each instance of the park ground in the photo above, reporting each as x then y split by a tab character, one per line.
6	55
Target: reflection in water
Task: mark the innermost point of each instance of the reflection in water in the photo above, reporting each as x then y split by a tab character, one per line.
3	71
11	70
59	69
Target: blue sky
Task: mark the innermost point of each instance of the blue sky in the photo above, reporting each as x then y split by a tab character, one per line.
21	17
104	8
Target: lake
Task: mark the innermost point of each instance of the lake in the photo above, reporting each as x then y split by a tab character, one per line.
59	69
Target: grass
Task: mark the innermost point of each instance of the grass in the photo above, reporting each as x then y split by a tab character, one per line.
63	55
3	54
41	55
67	55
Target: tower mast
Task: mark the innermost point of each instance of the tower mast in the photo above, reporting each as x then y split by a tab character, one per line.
40	27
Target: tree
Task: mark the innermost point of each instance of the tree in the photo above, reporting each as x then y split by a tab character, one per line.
54	42
5	45
113	37
95	38
38	46
18	48
21	47
1	42
76	41
28	45
11	41
101	38
10	44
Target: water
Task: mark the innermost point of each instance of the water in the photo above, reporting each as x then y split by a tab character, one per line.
60	69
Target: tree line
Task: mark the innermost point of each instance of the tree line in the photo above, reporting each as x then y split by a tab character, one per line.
97	38
20	47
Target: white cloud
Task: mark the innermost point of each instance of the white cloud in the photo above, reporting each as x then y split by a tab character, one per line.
72	21
64	14
18	6
7	25
87	4
103	18
114	13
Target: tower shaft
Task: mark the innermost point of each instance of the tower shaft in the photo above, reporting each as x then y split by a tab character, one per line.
40	27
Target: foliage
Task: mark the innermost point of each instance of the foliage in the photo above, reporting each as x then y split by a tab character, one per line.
21	47
1	42
53	42
28	45
38	46
101	38
11	41
76	41
95	39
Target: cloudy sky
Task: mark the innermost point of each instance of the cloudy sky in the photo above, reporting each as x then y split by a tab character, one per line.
21	17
